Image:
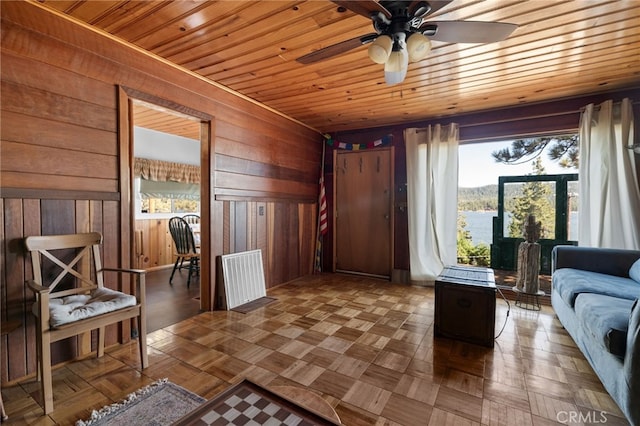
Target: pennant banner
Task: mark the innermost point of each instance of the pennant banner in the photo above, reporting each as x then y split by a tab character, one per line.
385	140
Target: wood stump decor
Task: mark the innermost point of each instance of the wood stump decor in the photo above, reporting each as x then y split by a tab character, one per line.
527	283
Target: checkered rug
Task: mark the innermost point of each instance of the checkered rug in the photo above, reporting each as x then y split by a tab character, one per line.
247	404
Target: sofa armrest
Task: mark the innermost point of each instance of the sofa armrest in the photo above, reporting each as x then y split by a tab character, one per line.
605	261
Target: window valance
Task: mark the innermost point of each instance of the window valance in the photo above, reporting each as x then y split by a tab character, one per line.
169	189
164	171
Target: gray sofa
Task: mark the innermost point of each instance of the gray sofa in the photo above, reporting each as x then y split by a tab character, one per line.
594	294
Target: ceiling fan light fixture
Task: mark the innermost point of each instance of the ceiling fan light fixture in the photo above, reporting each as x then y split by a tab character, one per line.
395	69
380	49
418	46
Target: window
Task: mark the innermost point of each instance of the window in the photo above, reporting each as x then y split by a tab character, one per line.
167	197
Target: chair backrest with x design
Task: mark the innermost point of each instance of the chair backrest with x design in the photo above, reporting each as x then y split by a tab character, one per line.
71	298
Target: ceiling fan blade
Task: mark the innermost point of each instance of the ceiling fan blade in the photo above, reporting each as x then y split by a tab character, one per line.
363	7
336	49
467	31
434	5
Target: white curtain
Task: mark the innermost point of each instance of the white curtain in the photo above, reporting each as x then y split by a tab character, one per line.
432	197
609	208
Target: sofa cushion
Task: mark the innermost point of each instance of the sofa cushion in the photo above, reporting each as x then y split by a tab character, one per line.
80	306
634	271
569	283
605	319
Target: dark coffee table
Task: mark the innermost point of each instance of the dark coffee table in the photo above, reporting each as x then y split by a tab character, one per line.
466	304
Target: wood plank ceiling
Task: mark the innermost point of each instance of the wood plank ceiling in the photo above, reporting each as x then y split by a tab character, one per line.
560	49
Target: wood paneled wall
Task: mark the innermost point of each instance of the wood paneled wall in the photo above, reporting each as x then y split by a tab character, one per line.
283	230
22	217
62	171
153	245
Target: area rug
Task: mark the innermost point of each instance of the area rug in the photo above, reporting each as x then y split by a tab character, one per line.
254	304
160	403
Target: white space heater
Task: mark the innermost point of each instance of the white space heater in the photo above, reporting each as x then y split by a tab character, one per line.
243	277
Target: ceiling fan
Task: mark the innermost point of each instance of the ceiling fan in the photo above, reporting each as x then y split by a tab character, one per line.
402	35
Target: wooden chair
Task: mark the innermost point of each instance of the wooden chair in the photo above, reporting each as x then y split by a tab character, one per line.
192	219
70	302
184	247
194	223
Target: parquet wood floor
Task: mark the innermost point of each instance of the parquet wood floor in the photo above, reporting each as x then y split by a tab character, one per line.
366	346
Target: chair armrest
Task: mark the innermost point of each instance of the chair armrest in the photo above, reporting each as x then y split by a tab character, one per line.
140	289
605	261
37	288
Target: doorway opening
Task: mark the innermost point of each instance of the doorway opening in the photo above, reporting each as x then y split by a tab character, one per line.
168	162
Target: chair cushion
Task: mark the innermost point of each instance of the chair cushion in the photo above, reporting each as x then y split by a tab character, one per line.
80	306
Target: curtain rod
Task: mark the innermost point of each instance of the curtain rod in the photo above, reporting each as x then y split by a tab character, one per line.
426	129
597	107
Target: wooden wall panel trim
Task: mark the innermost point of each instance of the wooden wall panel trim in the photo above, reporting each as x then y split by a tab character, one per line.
266	151
63	82
56	161
293	243
207	248
58	217
233	180
306	226
57	195
226	194
142	96
32	226
41	103
240	226
273	129
128	56
55	134
13	305
270	255
41	182
112	248
82	213
125	181
227	227
238	127
4	364
42	49
157	244
225	163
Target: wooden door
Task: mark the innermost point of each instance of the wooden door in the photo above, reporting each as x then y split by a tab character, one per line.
363	212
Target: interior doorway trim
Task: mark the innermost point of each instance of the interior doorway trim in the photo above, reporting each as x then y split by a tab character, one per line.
126	97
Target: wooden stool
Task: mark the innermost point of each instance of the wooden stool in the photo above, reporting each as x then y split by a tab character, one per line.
6	328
